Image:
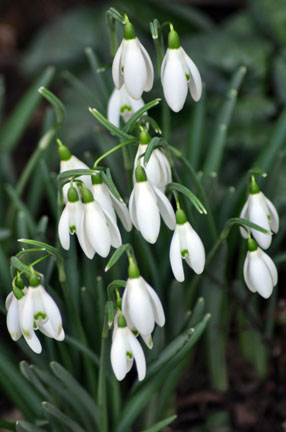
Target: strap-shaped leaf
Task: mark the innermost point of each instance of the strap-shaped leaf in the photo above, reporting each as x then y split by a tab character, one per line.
108	180
115	14
62	418
44	246
116	255
109	126
192	197
58	106
136	116
19	265
161	424
150	148
24	426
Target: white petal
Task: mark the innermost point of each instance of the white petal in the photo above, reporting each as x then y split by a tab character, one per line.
195	84
63	229
115	237
116	67
138	355
34	343
118	354
96	229
271	266
9	299
149	67
113	107
248	282
102	196
176	258
244	215
147	212
148	340
196	257
174	82
138	305
132	209
260	275
82	235
53	313
135	71
122	211
27	315
166	209
274	217
157	305
12	319
257	211
165	59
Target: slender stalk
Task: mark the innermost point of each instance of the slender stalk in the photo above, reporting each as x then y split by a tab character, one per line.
102	402
119	146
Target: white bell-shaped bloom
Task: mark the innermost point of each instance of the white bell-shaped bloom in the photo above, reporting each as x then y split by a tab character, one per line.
109	203
122	105
71	162
146	204
141	305
100	229
132	65
259	271
178	74
187	245
124	349
13	306
260	210
38	310
158	169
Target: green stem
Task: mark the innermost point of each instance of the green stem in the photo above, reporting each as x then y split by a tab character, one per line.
119	146
102	403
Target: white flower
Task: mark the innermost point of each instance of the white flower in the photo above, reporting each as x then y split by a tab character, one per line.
109	203
259	271
146	204
100	229
71	162
141	305
121	104
186	244
260	210
158	169
132	65
35	310
178	73
124	349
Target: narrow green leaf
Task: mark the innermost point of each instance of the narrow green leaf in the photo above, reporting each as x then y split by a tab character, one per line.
195	133
4	233
15	262
24	426
242	222
150	147
55	102
192	197
44	246
116	15
66	176
17	122
82	348
109	126
61	417
101	395
217	145
161	424
198	312
108	180
21	207
32	377
136	116
4	425
116	255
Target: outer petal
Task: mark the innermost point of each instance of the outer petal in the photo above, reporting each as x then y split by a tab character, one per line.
115	237
260	275
166	209
116	67
148	340
147	212
53	313
244	215
12	319
196	258
118	354
174	81
271	266
149	67
248	282
122	211
132	209
27	315
96	229
274	217
135	71
138	355
157	305
113	108
257	211
63	228
195	83
102	196
176	258
34	343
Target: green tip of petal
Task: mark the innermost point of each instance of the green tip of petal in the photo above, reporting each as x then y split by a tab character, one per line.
64	153
251	245
34	280
144	137
72	194
173	40
121	321
181	217
133	271
140	174
87	196
129	32
96	179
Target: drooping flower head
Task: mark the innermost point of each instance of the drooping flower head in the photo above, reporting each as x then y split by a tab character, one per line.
122	105
178	74
259	271
132	65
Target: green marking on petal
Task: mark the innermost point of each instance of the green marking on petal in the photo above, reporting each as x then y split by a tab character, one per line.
122	69
129	355
184	253
72	229
269	217
26	333
188	77
40	315
125	108
135	332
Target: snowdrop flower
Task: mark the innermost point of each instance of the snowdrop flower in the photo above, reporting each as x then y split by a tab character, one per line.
158	169
132	65
259	271
122	105
36	310
259	210
100	229
178	72
141	305
109	203
71	162
146	204
186	244
124	349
